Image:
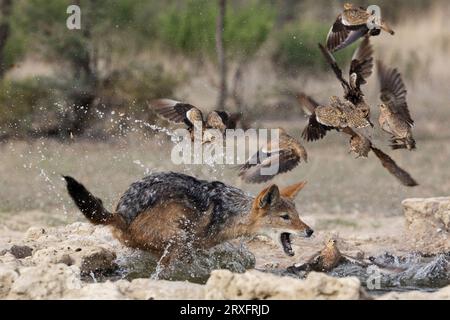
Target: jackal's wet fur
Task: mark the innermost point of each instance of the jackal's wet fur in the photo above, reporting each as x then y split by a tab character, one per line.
175	213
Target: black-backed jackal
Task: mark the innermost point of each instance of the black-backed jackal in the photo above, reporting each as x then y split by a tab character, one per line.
169	214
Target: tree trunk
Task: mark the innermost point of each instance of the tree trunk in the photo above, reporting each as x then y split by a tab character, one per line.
83	97
5	8
220	26
236	86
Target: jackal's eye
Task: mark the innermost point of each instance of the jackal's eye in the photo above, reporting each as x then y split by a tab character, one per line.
284	216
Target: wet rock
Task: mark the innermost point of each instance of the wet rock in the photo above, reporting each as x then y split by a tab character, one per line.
253	284
97	260
21	252
50	281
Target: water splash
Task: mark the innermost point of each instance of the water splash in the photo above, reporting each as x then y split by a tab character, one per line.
159	267
195	268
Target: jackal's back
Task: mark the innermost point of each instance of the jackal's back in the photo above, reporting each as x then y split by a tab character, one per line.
196	194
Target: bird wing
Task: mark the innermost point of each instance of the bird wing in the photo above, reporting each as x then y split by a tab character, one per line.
333	64
175	111
308	104
315	262
217	120
287	160
288	155
314	130
387	162
350	131
393	91
225	116
362	61
340	36
337	34
233	120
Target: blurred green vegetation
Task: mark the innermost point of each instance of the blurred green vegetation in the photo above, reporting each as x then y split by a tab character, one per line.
148	82
190	29
297	48
112	62
23	101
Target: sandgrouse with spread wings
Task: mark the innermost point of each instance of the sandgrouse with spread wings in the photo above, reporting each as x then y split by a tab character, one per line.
361	68
289	153
352	24
192	117
352	110
395	117
361	146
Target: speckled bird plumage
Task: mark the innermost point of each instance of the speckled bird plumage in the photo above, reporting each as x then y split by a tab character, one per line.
193	118
352	24
395	117
359	143
289	153
341	114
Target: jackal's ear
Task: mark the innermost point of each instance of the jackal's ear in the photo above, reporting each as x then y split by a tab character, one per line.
292	191
268	197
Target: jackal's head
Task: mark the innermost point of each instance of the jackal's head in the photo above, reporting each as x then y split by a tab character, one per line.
274	215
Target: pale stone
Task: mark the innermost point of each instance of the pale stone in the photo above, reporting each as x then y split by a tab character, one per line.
422	214
50	281
253	284
442	294
7	277
428	223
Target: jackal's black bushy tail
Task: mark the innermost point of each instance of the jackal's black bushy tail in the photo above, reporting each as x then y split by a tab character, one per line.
89	205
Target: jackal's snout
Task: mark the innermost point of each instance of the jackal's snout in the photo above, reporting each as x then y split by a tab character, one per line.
306	232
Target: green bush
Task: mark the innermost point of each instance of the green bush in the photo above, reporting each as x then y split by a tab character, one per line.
131	88
190	27
296	48
247	27
15	46
27	104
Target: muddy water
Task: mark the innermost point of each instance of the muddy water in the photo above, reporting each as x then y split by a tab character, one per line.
197	268
379	274
388	272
